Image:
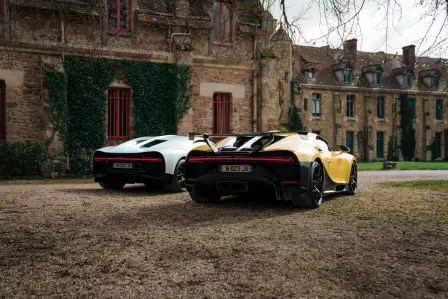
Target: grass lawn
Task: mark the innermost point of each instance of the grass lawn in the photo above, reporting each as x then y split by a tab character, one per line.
405	165
437	185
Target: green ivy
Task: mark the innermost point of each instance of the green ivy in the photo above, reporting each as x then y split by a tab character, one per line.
21	159
56	84
161	96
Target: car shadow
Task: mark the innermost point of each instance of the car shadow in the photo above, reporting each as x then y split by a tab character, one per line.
135	190
185	213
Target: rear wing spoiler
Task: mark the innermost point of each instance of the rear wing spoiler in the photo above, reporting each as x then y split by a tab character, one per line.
205	137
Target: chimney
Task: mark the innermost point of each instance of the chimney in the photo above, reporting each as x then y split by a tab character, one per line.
409	56
350	50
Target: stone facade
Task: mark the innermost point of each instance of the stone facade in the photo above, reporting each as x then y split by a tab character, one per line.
320	71
37	34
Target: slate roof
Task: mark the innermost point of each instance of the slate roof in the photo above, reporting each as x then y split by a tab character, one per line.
326	60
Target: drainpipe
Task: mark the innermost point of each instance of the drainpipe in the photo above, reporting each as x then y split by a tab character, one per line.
255	88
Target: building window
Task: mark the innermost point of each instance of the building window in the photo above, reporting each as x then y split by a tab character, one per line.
2	110
412	108
377	78
312	73
380	145
347	76
305	105
380	107
351	106
439	109
119	15
222	23
349	137
118	114
438	142
435	82
316	105
408	80
221	113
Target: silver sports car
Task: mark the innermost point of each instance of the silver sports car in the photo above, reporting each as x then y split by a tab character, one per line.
150	160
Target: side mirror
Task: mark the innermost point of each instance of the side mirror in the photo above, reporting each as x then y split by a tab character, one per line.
345	149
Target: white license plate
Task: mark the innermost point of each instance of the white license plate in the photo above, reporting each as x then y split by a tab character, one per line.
236	168
123	165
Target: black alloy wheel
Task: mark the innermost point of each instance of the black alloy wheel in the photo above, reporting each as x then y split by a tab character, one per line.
318	184
353	183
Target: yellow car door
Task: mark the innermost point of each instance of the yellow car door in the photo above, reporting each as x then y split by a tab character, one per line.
340	167
333	162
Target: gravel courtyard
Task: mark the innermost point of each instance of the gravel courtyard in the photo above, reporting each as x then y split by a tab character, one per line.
78	240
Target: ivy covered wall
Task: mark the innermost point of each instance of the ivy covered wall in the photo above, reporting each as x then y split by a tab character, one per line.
160	97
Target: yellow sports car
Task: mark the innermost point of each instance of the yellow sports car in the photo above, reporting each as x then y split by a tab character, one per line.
297	166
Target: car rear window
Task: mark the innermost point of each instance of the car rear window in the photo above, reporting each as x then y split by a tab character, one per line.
241	140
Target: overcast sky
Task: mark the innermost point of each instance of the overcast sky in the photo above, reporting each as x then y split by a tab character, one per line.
371	34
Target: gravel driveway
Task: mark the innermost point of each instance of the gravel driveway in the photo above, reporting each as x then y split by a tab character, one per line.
78	240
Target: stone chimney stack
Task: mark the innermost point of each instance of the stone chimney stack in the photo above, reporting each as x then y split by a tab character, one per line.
350	50
409	56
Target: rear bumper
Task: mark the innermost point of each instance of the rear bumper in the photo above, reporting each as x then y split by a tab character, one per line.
131	177
228	184
144	167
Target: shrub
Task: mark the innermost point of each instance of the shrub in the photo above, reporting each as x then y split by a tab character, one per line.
21	159
81	161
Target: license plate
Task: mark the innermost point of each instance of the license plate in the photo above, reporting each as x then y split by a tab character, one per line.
235	168
123	165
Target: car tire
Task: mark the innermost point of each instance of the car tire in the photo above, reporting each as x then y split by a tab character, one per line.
352	186
313	198
212	197
111	185
178	183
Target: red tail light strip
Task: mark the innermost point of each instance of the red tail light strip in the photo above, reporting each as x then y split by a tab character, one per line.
247	159
290	182
130	159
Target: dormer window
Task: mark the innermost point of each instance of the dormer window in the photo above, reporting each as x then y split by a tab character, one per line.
408	80
312	73
435	82
347	76
377	78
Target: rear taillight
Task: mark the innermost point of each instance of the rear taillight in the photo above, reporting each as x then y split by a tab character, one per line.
286	160
154	160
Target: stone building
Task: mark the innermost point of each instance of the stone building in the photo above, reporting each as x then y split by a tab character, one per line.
352	97
238	86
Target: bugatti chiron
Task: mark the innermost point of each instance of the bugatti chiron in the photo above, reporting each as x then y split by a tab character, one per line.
296	166
153	161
